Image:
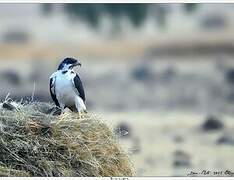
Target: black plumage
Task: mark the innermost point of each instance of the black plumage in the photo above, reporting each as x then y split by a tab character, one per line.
79	86
53	94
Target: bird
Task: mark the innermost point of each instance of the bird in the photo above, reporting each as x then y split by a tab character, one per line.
66	87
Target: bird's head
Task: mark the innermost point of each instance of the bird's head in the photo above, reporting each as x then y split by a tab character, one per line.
68	63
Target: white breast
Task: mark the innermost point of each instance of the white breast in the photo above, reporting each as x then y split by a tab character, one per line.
64	89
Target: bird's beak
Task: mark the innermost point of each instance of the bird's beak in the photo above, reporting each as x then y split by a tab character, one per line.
77	64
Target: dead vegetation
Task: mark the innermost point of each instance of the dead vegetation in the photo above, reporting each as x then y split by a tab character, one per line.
33	142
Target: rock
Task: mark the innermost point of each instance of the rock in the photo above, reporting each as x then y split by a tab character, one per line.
11	76
228	140
142	73
8	106
181	159
123	130
212	123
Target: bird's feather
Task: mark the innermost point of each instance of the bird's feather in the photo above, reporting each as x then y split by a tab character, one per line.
79	86
52	91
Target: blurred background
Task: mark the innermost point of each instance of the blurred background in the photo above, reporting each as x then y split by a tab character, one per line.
162	75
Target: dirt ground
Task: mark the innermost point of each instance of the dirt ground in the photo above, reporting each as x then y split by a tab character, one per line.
173	143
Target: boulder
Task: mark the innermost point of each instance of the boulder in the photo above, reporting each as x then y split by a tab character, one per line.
212	123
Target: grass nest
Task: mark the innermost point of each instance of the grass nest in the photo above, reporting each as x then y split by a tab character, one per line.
34	142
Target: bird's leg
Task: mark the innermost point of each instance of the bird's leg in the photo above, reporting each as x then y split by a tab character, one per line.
62	106
79	107
79	114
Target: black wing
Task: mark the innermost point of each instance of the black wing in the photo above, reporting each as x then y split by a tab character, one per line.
52	92
78	85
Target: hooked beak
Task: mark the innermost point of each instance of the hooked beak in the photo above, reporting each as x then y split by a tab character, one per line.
76	64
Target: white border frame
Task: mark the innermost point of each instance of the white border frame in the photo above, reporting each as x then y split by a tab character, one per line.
116	1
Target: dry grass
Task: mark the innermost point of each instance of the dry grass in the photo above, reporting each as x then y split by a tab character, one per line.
35	143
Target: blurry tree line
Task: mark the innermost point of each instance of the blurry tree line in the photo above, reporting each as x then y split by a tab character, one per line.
136	13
